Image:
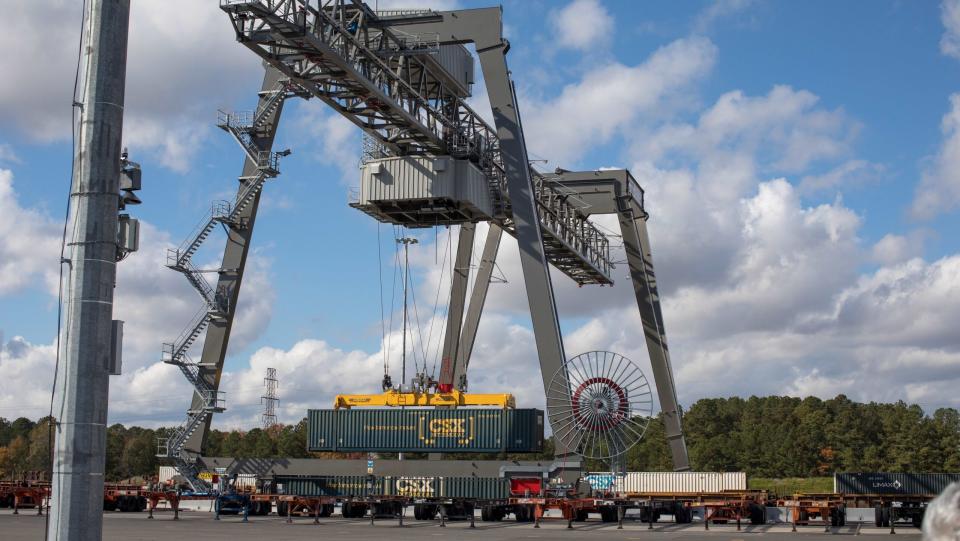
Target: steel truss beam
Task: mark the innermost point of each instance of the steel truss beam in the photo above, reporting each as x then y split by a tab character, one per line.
342	53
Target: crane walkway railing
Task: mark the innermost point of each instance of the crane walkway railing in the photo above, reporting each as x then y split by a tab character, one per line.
334	50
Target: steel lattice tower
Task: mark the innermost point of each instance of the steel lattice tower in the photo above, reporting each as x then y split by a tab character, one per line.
269	399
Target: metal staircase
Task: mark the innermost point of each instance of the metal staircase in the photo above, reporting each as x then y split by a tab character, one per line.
344	55
245	127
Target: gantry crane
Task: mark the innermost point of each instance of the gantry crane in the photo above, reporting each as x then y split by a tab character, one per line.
390	74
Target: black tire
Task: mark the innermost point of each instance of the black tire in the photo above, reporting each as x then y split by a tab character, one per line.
843	515
885	511
917	519
282	509
581	515
486	514
758	514
608	514
878	516
427	512
680	513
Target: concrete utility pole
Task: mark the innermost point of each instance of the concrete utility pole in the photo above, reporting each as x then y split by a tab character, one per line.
87	342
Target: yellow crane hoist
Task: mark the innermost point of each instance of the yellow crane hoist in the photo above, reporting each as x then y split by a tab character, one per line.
395	399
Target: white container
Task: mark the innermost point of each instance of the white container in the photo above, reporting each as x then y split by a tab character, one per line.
421	189
167	473
667	482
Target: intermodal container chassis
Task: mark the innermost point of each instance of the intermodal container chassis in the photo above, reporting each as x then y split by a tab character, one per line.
24	495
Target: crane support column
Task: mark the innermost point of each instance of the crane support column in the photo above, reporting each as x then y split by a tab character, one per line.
478	297
484	28
617	192
80	448
458	298
232	266
533	260
640	259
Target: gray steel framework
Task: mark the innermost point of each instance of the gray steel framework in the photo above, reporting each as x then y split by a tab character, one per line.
340	52
468	335
458	299
617	192
606	192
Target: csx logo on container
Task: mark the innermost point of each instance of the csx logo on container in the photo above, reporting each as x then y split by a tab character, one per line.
415	486
448	427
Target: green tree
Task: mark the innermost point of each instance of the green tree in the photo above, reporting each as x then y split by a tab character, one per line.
40	458
139	457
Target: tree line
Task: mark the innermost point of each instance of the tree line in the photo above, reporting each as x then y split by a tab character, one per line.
772	436
779	436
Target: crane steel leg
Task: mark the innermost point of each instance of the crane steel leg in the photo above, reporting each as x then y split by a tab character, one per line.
536	273
232	267
640	259
458	298
617	192
484	28
477	299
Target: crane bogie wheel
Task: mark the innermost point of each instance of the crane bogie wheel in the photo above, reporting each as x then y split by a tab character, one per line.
601	404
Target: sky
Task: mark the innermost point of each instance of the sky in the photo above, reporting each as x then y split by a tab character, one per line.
801	162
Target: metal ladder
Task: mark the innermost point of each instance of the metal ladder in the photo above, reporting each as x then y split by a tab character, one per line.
244	127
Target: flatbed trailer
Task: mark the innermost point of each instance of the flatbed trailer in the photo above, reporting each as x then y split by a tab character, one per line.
805	509
831	508
125	498
24	495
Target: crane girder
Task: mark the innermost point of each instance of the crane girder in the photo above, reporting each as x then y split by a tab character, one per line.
330	49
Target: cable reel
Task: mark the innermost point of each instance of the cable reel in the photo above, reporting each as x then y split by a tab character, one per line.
602	404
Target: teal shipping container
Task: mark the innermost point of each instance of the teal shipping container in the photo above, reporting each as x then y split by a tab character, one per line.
462	430
355	486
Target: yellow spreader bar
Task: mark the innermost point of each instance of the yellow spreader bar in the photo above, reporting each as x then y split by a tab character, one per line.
395	399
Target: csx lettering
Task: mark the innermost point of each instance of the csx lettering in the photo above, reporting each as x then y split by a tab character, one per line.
414	487
448	427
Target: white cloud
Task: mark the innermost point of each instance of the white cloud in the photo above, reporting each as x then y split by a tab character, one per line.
610	98
851	173
784	130
29	243
939	188
582	24
950	16
336	140
183	63
7	154
716	11
893	249
154	301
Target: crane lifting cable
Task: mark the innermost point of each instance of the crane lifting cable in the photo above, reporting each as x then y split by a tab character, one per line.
436	304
